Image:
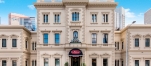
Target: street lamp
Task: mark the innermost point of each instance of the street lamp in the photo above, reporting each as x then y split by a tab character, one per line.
127	45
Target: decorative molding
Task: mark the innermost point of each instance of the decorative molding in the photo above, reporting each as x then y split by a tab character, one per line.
105	55
45	12
57	55
14	36
93	12
94	55
46	55
4	58
75	10
147	35
56	12
14	58
46	31
94	31
57	31
105	31
136	35
3	36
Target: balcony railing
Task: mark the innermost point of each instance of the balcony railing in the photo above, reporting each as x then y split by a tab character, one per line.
76	45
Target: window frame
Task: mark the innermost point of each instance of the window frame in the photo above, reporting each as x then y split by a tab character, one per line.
3	61
92	61
4	44
75	16
135	62
57	38
149	62
94	36
13	43
136	42
59	61
146	42
106	38
13	62
44	38
106	62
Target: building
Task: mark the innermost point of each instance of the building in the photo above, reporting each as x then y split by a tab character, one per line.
119	18
75	33
18	19
147	17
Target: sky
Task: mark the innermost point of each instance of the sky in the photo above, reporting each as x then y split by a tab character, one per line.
134	9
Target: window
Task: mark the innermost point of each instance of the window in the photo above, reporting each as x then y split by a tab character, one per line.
122	45
136	62
45	38
93	62
57	38
3	42
75	16
26	63
45	17
57	18
26	44
57	62
75	34
94	38
4	63
32	62
136	42
46	62
94	17
35	62
147	42
105	39
14	42
105	62
14	63
105	17
117	45
147	62
33	46
122	64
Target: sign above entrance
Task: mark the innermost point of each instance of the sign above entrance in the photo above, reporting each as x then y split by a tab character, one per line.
75	52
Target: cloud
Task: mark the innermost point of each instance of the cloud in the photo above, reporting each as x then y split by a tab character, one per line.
31	7
1	1
129	14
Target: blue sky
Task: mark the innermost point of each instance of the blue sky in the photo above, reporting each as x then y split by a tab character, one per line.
134	9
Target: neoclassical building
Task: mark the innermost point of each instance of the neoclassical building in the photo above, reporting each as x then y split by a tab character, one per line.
75	33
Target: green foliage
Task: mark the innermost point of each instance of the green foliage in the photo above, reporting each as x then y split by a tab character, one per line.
83	64
66	64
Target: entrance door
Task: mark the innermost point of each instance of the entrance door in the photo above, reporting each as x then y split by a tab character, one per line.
75	61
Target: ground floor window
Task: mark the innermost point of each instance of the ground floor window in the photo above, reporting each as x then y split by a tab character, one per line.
14	63
136	62
57	62
147	62
4	62
105	62
46	62
93	62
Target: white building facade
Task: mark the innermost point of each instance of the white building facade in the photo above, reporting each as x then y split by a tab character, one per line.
75	33
147	17
119	18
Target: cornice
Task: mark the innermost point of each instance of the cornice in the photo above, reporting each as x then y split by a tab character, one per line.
102	4
48	5
14	27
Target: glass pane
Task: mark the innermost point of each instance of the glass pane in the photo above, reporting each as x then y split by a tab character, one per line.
46	62
45	38
147	63
105	62
136	62
93	62
57	62
3	62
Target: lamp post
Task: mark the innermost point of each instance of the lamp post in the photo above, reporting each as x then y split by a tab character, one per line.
127	45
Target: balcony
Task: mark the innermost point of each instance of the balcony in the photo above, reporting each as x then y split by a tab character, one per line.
78	45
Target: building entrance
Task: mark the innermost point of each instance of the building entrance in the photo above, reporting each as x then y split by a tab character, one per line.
75	61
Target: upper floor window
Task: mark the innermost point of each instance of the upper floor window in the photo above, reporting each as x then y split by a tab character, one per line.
34	46
4	63
147	42
75	16
34	62
3	42
14	63
26	44
94	17
94	62
57	62
122	45
45	38
94	38
57	18
105	18
46	63
14	42
136	62
57	38
26	63
105	62
136	42
45	18
75	34
147	62
105	38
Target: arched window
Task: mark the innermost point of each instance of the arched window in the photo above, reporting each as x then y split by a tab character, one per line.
75	34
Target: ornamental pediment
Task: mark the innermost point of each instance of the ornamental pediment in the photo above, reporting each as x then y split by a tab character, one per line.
137	35
3	36
147	35
14	36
